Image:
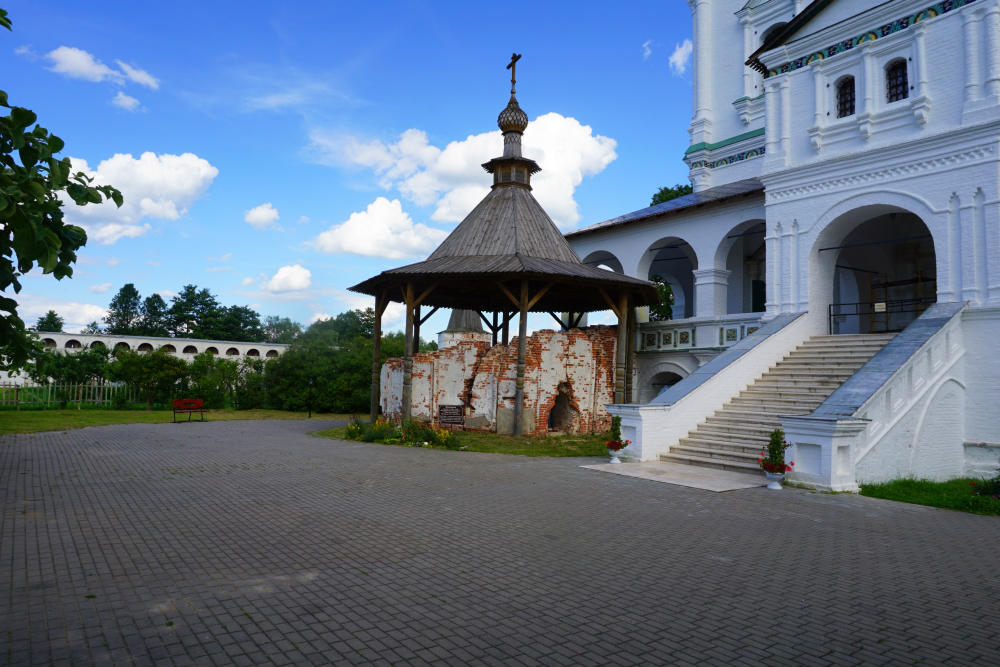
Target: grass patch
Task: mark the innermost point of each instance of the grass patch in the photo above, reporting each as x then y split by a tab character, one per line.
955	494
35	421
529	445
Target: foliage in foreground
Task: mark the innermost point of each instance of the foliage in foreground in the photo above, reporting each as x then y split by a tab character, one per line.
475	441
412	433
955	494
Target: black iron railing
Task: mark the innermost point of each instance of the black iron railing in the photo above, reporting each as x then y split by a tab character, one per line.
876	316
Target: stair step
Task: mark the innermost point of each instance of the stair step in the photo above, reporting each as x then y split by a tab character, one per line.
710	463
747	443
735	455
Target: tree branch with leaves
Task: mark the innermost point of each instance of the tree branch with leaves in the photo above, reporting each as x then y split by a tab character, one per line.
33	231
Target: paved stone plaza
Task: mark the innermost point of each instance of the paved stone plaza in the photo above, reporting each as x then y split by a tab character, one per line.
237	543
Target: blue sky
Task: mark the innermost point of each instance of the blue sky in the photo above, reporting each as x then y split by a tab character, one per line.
279	153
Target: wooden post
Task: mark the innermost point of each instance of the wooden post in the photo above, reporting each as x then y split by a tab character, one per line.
506	329
493	329
79	396
380	304
416	329
621	347
17	403
408	355
522	331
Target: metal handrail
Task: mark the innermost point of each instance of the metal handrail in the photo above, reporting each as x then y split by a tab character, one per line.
880	309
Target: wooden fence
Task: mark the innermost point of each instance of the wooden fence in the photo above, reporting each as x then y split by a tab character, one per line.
54	395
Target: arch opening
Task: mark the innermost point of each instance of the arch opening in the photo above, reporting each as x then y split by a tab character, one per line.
253	352
212	350
232	352
742	253
658	383
122	346
73	344
49	343
877	270
271	354
673	260
190	349
603	259
145	347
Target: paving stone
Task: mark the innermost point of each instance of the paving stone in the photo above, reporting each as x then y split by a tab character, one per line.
260	544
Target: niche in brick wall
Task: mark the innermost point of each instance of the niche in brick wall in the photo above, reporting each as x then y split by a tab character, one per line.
564	417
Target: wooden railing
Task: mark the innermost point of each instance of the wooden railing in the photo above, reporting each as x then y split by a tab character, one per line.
55	395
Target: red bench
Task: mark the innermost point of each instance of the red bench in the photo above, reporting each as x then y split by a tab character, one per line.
189	406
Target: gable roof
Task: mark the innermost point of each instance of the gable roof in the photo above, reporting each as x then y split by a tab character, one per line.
785	33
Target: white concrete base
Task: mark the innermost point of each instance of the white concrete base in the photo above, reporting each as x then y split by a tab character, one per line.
707	479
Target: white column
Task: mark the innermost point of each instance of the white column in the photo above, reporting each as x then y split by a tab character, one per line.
797	277
748	48
980	243
710	288
772	133
777	268
785	243
949	279
972	54
701	123
967	222
992	24
786	118
770	271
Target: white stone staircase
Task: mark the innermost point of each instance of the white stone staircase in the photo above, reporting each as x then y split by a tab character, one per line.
733	437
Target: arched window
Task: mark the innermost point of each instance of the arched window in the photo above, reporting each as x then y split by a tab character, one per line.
73	344
271	354
232	352
122	346
212	350
169	348
190	349
145	347
253	352
845	97
896	83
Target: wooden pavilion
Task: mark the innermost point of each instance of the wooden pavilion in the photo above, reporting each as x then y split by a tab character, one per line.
506	257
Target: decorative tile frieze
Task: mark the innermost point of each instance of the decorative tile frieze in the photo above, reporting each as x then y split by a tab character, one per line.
899	24
722	162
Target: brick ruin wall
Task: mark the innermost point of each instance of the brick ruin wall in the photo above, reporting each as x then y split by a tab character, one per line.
572	371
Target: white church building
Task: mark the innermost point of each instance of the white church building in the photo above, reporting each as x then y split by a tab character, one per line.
836	270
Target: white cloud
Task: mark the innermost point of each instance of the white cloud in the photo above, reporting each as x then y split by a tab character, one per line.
75	315
262	217
124	101
247	281
451	179
113	262
100	288
167	294
303	219
78	64
680	59
139	76
647	49
26	51
319	317
216	269
289	279
393	318
154	186
381	230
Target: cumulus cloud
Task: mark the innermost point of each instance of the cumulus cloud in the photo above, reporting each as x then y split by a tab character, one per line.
160	187
319	317
247	281
126	102
647	49
451	180
680	59
100	288
262	217
75	315
384	229
289	279
79	64
139	76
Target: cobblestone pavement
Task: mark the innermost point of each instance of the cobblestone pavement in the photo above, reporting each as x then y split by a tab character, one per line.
238	543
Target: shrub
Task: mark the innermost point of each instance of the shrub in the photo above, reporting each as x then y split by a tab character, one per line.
987	487
772	458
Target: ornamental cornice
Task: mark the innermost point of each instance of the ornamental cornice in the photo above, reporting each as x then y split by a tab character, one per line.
862	36
892	173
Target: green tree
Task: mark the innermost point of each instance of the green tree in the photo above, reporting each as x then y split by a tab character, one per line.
665	309
50	321
153	320
239	323
124	312
92	328
73	368
194	313
153	374
282	329
213	379
667	193
32	229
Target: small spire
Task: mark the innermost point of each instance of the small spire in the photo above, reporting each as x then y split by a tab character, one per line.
512	66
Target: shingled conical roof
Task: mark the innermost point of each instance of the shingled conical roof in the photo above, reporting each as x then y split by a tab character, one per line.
508	237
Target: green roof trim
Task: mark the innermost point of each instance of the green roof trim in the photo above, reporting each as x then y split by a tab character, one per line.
703	146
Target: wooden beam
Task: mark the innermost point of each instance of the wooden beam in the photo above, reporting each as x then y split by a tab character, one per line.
621	346
380	303
538	296
408	355
433	310
416	329
558	319
522	334
423	295
510	296
610	301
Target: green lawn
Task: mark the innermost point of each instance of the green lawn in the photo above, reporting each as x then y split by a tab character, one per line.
955	494
559	445
34	421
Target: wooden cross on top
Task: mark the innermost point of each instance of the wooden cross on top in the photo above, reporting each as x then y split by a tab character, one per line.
512	66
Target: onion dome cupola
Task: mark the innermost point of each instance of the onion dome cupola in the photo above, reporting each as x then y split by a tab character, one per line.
512	169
